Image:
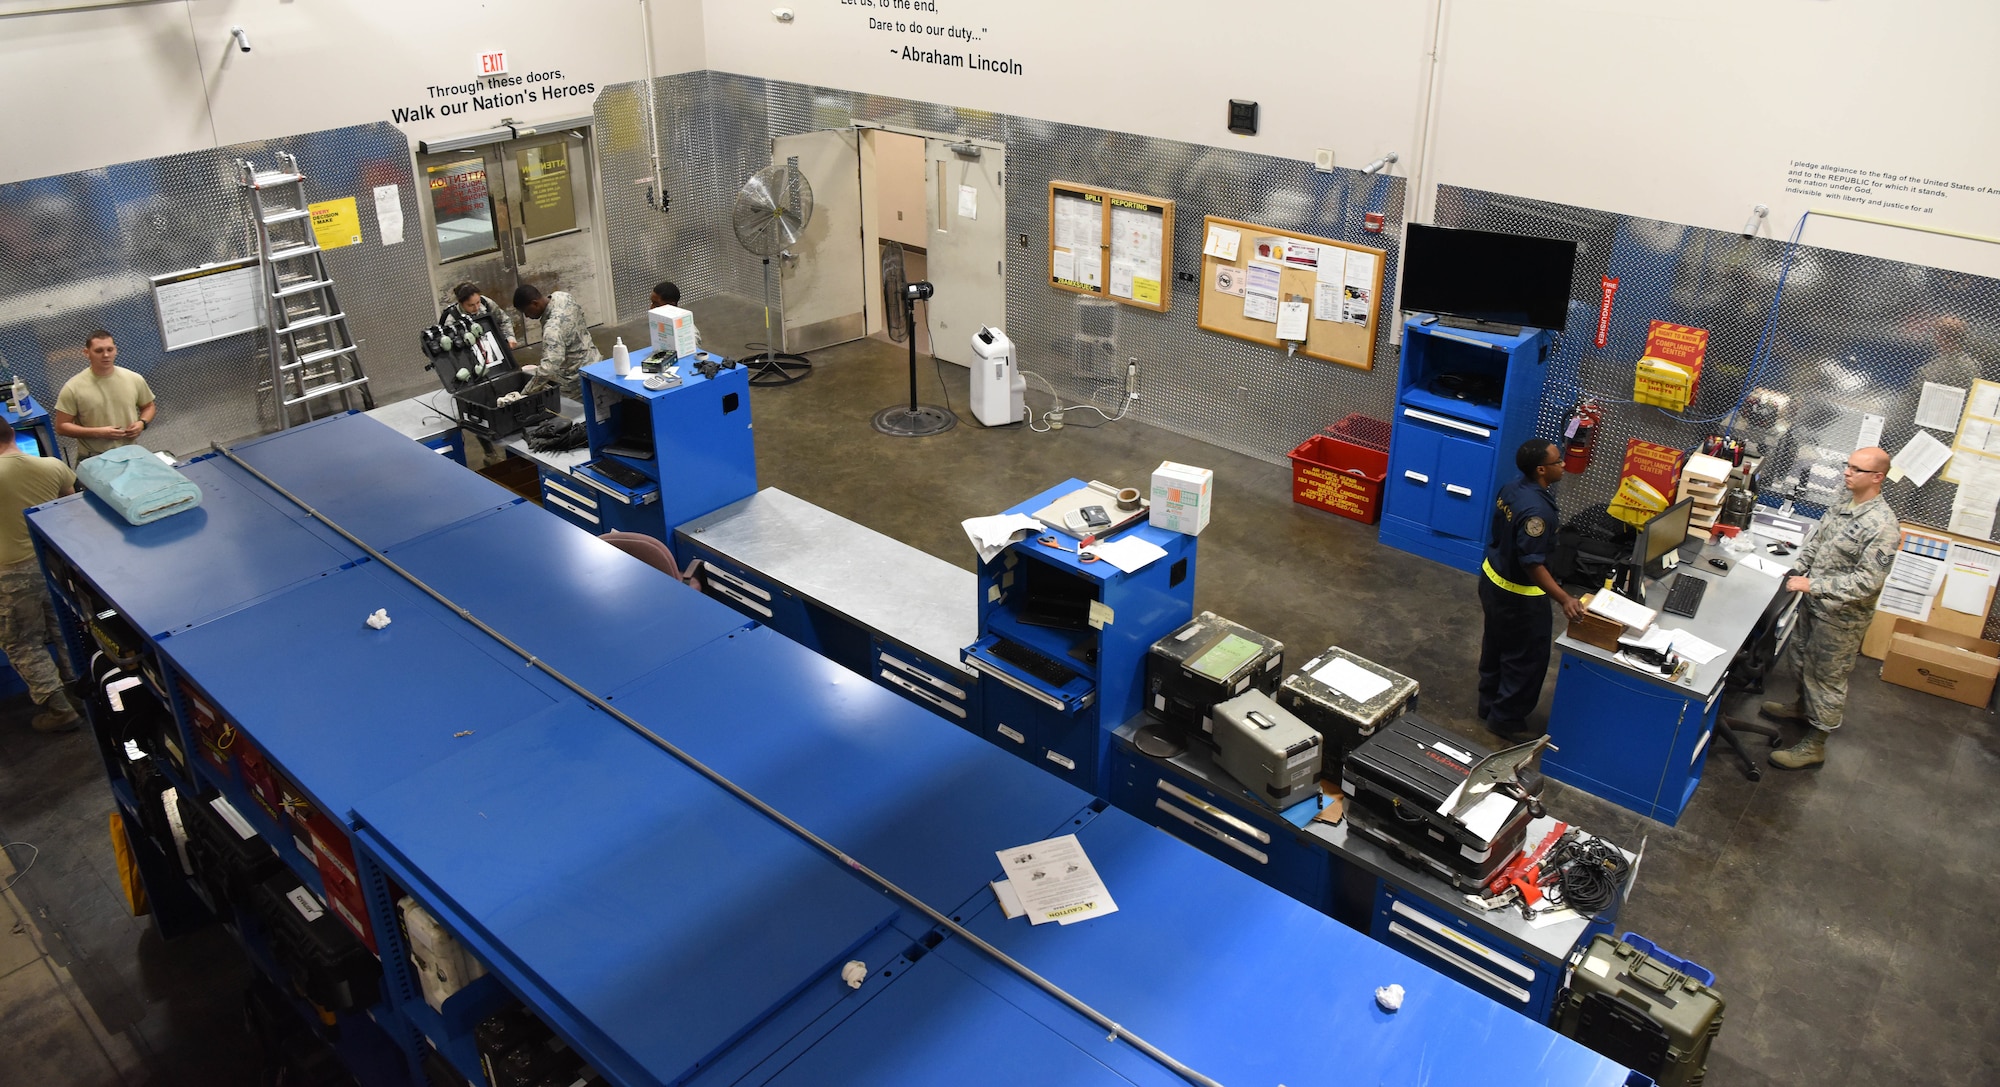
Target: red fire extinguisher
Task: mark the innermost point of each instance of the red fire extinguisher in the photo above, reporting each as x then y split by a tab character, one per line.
1580	435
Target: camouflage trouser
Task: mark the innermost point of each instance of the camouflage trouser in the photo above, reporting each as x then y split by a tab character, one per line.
1825	649
25	623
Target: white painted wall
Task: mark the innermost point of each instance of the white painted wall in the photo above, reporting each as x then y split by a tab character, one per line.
1690	111
100	87
1345	74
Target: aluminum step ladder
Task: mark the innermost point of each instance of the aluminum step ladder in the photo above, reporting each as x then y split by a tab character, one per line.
315	363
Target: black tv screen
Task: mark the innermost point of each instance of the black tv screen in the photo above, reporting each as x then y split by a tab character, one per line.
1510	279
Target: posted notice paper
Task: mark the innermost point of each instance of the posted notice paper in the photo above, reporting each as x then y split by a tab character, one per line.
1055	881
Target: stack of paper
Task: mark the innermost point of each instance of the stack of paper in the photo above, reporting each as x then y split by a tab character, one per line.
1619	609
1052	880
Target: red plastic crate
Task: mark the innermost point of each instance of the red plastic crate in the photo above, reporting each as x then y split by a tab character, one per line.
1339	477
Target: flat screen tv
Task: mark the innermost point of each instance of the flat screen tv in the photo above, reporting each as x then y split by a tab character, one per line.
1486	277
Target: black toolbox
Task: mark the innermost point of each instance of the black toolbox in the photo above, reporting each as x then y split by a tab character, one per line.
474	364
1343	720
1643	1013
1208	660
227	862
1401	776
322	956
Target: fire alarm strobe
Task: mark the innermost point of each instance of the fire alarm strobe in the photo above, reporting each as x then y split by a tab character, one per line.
1242	117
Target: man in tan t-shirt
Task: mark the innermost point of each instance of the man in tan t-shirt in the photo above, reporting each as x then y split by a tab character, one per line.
107	405
25	621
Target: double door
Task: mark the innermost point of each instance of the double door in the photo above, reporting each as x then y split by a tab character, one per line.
516	211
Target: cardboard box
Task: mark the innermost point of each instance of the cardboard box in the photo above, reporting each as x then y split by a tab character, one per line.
1875	644
673	331
1182	497
1928	658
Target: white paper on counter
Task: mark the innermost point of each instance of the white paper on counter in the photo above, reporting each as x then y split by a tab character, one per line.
1352	680
1056	881
991	535
1130	553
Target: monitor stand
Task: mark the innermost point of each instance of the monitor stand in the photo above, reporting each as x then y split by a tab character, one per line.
1491	327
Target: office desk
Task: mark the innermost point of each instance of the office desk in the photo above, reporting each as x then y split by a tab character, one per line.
1637	738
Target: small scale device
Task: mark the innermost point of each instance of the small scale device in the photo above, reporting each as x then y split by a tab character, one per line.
1094	517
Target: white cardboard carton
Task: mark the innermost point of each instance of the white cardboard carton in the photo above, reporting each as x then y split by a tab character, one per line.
673	331
1182	496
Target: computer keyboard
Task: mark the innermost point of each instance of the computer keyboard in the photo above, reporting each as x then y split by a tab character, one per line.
623	475
1038	665
1684	595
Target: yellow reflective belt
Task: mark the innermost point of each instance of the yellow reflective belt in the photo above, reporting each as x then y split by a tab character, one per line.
1512	587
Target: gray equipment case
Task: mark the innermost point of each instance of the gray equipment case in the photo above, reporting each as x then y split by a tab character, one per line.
1272	753
1641	1012
1342	720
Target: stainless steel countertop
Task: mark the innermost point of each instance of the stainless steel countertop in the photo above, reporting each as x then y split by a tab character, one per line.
420	418
565	461
1729	610
879	583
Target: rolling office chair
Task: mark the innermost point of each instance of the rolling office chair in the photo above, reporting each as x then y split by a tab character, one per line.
656	555
1746	673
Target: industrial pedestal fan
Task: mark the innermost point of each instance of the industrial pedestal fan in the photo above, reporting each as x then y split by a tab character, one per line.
769	214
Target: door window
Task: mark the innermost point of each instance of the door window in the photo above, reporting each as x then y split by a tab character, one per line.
548	200
462	208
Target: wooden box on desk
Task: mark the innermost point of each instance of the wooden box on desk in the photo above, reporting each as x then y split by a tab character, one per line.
1596	629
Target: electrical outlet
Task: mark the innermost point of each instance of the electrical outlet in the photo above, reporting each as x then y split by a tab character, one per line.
1132	379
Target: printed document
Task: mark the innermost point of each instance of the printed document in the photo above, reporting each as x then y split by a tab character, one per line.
1055	881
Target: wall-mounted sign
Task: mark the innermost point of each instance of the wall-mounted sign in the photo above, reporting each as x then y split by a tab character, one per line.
493	63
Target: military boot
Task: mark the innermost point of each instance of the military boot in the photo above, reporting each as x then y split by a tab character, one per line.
58	715
1784	711
1809	753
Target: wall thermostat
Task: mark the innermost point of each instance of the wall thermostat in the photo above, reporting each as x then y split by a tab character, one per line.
1242	117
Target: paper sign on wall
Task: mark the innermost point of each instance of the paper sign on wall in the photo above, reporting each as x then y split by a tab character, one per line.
336	223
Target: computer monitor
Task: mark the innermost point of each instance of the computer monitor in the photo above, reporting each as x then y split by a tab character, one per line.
27	443
1662	536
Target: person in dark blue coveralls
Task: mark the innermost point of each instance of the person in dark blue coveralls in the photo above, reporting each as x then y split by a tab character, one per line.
1513	582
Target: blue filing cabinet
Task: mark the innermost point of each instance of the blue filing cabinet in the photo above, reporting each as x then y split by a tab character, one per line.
1448	456
1505	970
1634	742
1065	727
692	442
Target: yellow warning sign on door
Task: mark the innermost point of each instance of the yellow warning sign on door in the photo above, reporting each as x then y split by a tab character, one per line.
336	223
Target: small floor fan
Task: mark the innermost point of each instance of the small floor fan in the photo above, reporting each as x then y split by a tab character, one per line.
769	214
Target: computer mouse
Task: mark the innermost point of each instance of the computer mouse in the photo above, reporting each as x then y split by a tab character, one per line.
1718	564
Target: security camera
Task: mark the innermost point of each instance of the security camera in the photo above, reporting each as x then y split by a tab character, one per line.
918	291
242	37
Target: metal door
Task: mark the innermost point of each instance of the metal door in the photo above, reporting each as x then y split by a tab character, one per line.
967	255
516	211
822	281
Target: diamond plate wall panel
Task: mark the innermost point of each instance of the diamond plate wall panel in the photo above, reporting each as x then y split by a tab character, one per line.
1852	335
1237	395
76	251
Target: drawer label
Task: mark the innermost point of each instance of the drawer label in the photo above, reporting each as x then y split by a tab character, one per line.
307	905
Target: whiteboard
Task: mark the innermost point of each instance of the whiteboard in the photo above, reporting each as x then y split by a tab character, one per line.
209	302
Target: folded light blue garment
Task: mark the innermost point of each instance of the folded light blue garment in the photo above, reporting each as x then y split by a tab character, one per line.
139	485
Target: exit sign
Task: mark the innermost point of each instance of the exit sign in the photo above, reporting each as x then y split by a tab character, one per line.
493	63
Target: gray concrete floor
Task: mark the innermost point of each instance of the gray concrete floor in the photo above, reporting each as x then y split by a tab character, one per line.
1844	912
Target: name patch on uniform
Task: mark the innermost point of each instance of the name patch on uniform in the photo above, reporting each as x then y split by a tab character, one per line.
1534	526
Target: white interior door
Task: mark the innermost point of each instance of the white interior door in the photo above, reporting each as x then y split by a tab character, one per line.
822	280
967	259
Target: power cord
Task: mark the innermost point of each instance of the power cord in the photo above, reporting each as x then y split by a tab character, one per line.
1058	410
1585	874
33	853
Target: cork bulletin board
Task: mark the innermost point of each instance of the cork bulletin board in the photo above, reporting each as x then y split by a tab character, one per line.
1252	277
1111	244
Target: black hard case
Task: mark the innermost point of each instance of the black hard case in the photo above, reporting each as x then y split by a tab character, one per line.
1179	695
1400	776
478	399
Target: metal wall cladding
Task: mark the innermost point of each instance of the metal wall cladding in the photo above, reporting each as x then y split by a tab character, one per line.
76	251
1237	395
1852	335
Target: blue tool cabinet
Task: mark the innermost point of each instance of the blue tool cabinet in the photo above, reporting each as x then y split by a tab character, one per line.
1506	971
1448	456
1066	728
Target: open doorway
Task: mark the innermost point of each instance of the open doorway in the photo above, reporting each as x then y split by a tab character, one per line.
506	210
939	201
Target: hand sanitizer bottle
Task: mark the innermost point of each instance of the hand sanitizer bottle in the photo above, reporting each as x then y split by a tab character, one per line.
621	358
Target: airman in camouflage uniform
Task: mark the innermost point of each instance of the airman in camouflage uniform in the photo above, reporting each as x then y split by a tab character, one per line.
566	342
1841	571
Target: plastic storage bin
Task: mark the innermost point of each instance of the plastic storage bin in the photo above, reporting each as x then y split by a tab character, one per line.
1339	477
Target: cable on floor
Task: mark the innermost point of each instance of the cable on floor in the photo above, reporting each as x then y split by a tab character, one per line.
33	853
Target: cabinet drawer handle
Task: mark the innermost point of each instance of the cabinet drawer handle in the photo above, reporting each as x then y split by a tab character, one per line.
741	585
922	675
719	589
1464	492
1019	685
1445	421
1466	966
1211	810
1416	476
551	487
918	692
1225	838
1464	941
573	511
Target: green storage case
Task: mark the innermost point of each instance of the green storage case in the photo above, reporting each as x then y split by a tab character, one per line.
1641	1012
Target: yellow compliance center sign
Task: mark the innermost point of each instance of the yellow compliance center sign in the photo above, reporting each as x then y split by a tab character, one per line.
336	223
